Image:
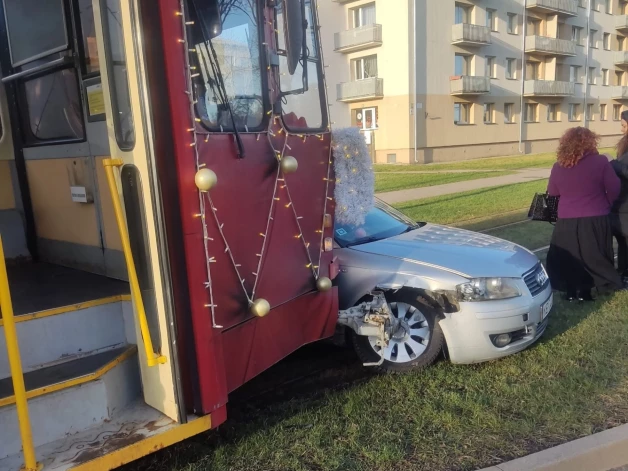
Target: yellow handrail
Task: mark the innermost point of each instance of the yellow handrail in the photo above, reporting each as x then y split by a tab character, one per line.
151	358
15	363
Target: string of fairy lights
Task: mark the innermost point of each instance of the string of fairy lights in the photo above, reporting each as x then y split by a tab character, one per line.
205	179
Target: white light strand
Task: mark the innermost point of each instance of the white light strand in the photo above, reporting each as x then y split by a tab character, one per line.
285	186
201	201
202	207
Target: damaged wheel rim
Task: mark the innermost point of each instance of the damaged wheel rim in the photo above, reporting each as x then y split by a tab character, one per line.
411	338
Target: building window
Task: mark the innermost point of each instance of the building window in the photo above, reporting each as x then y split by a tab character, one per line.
491	19
461	64
462	13
602	112
489	113
365	67
534	27
592	76
552	112
616	112
364	15
513	26
462	113
607	41
574	74
605	79
531	113
511	69
574	112
593	38
509	112
533	70
589	113
490	67
619	77
576	35
595	4
609	6
620	43
365	118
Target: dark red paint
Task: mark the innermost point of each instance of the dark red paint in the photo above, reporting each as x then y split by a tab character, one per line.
247	345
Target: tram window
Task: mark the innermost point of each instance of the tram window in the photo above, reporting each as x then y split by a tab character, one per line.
302	111
88	31
35	29
238	52
118	78
53	107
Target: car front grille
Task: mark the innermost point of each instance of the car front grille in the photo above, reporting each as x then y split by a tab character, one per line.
531	281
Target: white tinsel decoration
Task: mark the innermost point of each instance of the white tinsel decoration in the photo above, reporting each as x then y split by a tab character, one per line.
355	182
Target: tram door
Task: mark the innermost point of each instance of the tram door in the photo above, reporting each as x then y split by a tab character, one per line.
129	127
12	227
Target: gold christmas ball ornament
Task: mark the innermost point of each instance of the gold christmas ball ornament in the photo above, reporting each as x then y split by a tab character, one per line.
260	307
205	179
323	284
289	164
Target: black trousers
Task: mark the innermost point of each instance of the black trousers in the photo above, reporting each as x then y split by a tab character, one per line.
581	255
619	224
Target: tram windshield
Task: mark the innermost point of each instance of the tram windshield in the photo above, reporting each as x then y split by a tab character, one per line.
229	76
237	50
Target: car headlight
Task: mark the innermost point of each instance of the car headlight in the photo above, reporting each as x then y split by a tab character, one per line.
488	289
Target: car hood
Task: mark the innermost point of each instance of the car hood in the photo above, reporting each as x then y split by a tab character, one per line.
470	254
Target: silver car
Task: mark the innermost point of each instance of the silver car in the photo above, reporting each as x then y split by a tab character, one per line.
475	296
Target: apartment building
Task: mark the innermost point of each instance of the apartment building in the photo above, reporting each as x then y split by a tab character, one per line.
440	80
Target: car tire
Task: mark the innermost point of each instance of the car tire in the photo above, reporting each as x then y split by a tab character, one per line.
419	351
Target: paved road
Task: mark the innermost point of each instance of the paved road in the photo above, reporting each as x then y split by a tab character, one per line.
522	176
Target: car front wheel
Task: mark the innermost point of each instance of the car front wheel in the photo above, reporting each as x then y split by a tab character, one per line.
417	342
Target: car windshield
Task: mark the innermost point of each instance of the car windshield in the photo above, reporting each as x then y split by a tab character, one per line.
381	222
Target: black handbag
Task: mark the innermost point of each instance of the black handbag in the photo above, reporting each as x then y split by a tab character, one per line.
544	208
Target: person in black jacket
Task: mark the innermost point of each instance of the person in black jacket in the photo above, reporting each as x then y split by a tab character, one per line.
619	211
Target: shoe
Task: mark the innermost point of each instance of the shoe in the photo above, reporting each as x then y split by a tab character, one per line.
570	296
585	296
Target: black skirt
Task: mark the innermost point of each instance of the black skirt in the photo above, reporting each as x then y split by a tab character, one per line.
581	255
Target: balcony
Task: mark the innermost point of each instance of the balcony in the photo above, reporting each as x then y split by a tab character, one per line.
562	7
358	90
621	22
358	39
464	34
549	88
550	46
621	57
620	93
468	85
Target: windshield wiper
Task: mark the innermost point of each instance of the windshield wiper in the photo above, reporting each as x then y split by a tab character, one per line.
218	84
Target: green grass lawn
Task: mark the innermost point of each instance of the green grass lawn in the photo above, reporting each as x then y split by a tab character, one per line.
396	181
473	206
515	162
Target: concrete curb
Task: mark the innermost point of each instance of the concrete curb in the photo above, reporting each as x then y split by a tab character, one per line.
600	452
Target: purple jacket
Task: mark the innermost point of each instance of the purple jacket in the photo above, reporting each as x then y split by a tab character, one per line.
587	189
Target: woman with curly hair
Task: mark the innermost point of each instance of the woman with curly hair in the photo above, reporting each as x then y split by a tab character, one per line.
581	252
